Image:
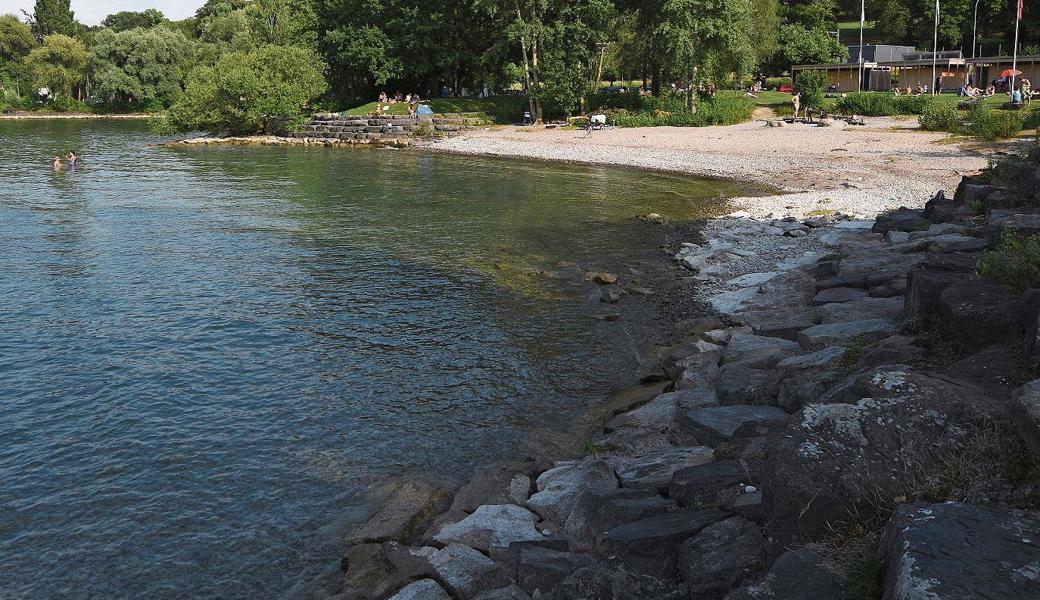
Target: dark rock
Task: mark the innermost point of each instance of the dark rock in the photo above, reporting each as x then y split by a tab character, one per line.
708	485
497	483
901	219
954	242
424	589
843	334
715	425
978	313
559	487
376	570
495	525
698	374
758	351
1024	221
405	509
951	551
615	582
656	415
796	575
924	287
836	458
942	210
542	569
992	368
742	384
778	323
827	268
864	309
595	513
854	279
894	350
839	294
465	572
510	592
803	379
720	556
655	470
1025	412
650	545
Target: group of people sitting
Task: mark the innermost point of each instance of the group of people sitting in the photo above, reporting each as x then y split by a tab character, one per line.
920	90
970	91
385	102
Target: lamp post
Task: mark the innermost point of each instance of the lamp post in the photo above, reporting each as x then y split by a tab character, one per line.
935	45
974	29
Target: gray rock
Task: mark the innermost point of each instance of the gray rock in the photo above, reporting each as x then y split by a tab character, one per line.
1025	410
924	287
757	351
955	242
893	350
952	551
490	526
614	582
376	570
714	425
690	399
656	415
796	575
655	470
751	279
897	237
510	592
979	313
742	384
843	334
650	545
901	219
720	556
708	485
466	572
558	488
939	229
850	278
424	589
542	569
498	483
778	323
864	309
837	457
821	359
796	233
698	374
1024	221
595	513
993	368
631	441
405	509
839	294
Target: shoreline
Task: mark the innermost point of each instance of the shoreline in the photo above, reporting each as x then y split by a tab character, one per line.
72	116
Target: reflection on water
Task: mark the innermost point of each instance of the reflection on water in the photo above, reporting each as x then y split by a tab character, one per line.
205	353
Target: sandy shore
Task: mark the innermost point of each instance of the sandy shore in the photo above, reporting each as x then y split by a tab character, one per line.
854	170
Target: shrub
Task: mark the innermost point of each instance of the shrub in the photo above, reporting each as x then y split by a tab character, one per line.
994	124
774	83
724	110
64	103
1014	263
870	104
940	116
811	84
911	105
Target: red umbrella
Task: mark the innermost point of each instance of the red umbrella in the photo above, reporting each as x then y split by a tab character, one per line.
1010	73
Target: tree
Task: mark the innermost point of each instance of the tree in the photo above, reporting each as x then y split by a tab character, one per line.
802	46
812	85
263	91
52	17
126	20
16	39
140	65
59	64
283	22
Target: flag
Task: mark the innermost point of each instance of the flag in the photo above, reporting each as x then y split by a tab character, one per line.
1020	9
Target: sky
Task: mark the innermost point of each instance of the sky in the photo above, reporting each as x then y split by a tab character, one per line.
92	12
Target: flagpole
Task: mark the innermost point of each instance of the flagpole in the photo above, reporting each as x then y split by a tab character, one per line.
862	23
1014	51
935	44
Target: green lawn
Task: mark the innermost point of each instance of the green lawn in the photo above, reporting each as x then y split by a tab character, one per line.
849	33
765	98
499	109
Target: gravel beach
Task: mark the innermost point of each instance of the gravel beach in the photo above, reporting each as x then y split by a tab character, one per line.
859	171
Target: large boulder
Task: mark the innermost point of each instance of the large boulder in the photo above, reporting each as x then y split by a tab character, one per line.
651	545
796	575
404	510
712	484
1023	221
844	334
863	309
497	483
656	415
720	556
978	313
465	572
542	569
778	323
595	513
740	383
952	551
655	470
613	582
424	589
1025	411
900	219
559	487
376	570
491	526
714	425
758	351
850	453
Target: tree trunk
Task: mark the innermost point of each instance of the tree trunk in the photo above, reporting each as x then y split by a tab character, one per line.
537	83
527	66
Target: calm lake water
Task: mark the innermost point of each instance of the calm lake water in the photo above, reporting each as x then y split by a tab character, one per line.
206	353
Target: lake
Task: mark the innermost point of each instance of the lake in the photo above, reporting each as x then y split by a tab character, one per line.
206	353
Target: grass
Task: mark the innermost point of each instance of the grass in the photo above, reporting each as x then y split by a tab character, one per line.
849	33
1015	262
499	109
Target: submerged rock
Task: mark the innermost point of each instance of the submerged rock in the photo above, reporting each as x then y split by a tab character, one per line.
404	510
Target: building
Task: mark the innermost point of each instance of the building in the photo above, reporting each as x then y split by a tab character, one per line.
885	67
985	69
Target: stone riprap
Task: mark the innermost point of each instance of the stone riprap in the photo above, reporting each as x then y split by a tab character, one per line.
812	406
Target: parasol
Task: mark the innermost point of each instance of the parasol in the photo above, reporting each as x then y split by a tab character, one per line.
1010	73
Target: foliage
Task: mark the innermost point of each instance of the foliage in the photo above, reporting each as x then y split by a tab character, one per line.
940	116
870	104
16	39
139	65
775	83
264	91
800	45
1015	262
812	85
58	64
126	20
52	17
989	124
913	105
632	110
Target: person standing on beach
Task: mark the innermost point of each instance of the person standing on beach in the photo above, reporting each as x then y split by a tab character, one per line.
796	102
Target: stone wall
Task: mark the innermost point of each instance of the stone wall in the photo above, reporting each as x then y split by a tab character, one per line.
370	129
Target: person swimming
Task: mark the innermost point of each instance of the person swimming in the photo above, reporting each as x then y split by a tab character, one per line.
71	158
57	163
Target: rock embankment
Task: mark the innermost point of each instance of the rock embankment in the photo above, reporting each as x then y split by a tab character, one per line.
858	416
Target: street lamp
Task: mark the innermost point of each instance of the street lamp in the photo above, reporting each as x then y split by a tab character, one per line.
974	29
862	23
935	45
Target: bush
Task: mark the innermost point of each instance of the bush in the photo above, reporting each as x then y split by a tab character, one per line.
994	124
63	103
724	110
774	83
671	111
811	85
940	116
1014	263
869	104
911	105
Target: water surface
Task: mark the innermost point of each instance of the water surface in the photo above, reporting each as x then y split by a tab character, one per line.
206	353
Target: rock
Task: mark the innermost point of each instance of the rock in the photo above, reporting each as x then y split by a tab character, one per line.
424	589
792	288
376	570
751	279
897	237
924	286
490	526
978	313
853	279
650	545
796	233
955	242
465	572
758	351
405	509
939	229
821	359
843	334
839	294
803	379
654	471
778	323
714	425
893	350
951	551
720	556
656	415
1025	412
613	582
993	368
708	485
542	569
610	297
595	513
863	309
631	441
836	457
796	575
558	488
698	372
498	483
601	278
741	384
510	592
901	219
694	398
939	209
1020	220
